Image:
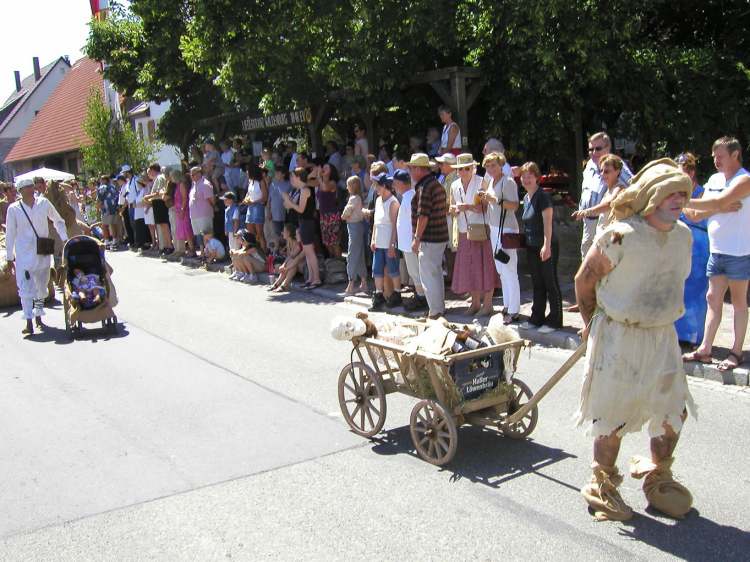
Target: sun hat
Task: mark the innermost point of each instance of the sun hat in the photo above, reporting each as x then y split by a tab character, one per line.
447	158
419	160
464	160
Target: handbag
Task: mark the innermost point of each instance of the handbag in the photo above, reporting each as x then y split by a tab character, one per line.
44	246
509	240
477	232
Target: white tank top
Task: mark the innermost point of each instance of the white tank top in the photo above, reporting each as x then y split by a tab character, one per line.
382	222
255	193
728	232
446	132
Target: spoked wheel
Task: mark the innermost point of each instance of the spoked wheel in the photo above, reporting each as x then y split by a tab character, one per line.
523	427
433	431
362	399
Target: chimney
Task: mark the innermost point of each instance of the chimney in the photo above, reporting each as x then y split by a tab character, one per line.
37	70
18	80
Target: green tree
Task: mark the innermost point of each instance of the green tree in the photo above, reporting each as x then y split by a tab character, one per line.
113	141
140	47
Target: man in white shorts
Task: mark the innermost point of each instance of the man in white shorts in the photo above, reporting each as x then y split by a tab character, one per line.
630	291
729	243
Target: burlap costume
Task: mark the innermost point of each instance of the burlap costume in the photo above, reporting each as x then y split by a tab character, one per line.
633	373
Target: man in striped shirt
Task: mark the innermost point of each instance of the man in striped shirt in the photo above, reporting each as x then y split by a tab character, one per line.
430	226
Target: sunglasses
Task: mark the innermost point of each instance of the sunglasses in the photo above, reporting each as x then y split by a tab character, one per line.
595	149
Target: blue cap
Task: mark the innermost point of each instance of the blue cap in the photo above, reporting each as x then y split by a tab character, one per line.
119	177
382	179
125	168
402	175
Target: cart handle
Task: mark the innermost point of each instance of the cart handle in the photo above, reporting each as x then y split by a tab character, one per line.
553	380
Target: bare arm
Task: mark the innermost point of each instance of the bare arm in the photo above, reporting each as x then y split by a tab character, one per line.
594	268
452	134
727	201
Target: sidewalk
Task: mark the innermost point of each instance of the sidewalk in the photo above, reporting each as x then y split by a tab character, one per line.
565	338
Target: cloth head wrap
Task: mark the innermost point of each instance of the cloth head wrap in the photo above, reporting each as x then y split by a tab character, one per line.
653	184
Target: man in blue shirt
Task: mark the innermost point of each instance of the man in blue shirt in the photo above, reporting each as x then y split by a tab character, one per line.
107	196
594	187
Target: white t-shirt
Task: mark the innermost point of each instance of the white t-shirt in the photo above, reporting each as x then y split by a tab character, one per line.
459	196
506	189
403	222
215	246
728	232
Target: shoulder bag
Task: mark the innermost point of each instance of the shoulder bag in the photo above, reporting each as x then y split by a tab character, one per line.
477	232
509	240
44	246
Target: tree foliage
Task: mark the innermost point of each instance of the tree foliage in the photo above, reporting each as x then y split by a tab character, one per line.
113	141
670	75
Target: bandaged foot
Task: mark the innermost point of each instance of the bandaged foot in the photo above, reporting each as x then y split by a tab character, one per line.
662	492
602	495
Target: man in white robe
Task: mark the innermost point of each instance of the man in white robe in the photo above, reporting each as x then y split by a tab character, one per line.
31	269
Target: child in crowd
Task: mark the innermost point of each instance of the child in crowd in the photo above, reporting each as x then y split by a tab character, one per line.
293	263
88	290
355	224
248	261
213	250
231	219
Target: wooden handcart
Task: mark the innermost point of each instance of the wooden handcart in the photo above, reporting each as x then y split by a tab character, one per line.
379	368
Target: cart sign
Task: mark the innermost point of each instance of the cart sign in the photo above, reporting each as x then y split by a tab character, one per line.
476	376
277	120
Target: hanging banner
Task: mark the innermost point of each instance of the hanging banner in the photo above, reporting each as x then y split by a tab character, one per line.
277	120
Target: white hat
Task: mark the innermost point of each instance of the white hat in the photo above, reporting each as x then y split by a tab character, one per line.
125	168
24	183
447	158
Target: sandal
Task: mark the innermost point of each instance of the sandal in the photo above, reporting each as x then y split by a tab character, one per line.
695	356
728	364
511	318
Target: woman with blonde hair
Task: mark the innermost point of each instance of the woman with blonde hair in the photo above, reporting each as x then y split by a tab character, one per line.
502	196
355	224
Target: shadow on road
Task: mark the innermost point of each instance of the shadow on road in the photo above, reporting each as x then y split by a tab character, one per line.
94	334
694	538
484	456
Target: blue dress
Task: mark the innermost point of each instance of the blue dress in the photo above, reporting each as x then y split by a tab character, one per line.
690	325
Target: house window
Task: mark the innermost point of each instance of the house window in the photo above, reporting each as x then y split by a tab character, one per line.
151	130
140	130
73	165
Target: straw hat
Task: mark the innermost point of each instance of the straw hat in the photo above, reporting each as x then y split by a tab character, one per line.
419	160
447	158
464	160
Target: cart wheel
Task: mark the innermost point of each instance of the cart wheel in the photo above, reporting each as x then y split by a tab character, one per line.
433	431
523	427
362	399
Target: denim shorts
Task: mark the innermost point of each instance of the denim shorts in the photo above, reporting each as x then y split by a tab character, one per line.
256	214
736	268
380	260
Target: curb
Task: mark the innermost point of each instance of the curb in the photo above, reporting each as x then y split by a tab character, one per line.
561	339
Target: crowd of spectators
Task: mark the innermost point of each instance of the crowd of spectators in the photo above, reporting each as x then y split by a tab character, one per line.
409	223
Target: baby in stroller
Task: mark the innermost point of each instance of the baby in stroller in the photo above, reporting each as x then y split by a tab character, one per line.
88	290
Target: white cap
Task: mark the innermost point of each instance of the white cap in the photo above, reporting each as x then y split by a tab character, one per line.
24	183
125	168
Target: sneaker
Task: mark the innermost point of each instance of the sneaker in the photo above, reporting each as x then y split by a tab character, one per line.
546	329
416	303
378	302
394	300
250	278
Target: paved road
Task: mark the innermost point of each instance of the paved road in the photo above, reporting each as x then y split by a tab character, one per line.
209	429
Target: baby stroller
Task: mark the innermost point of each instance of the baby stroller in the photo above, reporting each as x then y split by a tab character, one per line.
87	254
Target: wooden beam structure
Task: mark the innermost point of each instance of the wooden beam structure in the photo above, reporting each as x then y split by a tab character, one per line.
451	85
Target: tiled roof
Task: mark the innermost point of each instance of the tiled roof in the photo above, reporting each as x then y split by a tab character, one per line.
59	125
14	102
